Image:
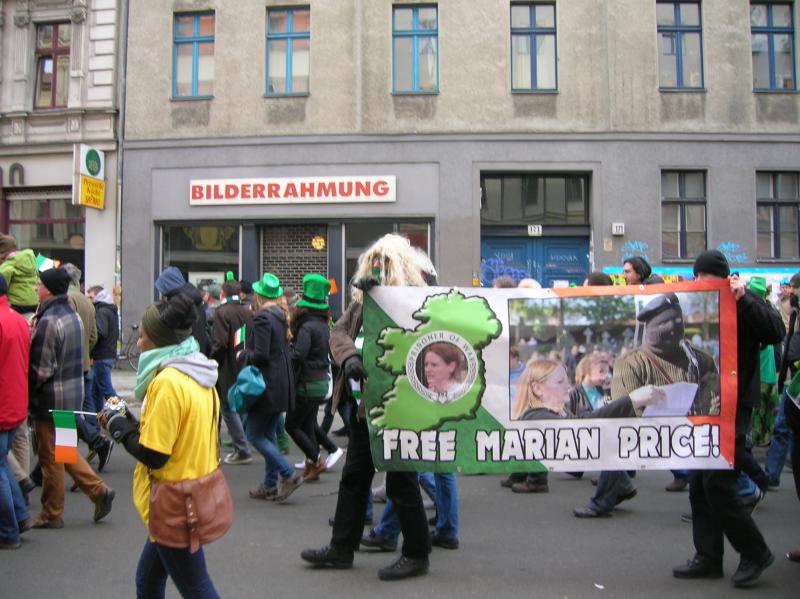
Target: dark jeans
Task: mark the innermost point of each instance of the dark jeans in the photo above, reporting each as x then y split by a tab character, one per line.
102	388
354	487
301	424
344	411
87	426
12	503
233	423
792	414
611	484
717	509
187	570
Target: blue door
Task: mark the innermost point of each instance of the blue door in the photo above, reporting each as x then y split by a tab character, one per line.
549	260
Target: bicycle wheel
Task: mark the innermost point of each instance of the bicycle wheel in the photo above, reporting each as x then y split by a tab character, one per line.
133	357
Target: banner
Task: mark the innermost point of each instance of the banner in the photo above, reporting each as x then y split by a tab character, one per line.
573	379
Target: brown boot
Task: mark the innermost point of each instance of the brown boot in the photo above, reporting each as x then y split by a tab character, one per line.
314	470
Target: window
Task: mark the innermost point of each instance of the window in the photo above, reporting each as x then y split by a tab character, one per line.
52	65
683	214
777	204
772	40
415	47
680	45
288	51
49	225
202	252
546	199
533	47
193	56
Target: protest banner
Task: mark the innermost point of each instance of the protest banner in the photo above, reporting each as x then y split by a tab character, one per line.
449	389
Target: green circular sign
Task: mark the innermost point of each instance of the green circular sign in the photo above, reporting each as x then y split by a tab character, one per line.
93	162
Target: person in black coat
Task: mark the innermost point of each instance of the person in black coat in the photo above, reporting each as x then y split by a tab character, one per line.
716	509
170	283
104	352
267	348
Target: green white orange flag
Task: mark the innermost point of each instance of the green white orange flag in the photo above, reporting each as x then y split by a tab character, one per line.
44	263
239	336
66	450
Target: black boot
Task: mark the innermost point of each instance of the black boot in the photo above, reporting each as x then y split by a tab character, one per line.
404	567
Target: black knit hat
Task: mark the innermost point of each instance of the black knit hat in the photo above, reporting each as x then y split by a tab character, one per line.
56	280
712	262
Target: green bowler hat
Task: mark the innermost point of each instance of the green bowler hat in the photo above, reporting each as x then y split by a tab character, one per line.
315	292
269	286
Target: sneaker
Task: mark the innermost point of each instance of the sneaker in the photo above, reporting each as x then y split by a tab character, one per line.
104	454
327	557
299	465
443	542
626	496
698	567
40	522
530	487
237	458
102	507
773	484
677	485
404	567
749	570
264	492
4	544
512	478
288	485
589	512
334	457
374	541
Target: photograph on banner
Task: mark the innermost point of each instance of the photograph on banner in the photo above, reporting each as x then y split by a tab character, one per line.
497	380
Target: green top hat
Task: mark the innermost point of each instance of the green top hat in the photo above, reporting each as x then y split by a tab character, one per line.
758	285
315	292
269	286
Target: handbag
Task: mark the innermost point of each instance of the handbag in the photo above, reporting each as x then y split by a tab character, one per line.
244	393
191	513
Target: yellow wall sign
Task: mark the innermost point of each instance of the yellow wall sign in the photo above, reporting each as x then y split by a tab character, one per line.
93	192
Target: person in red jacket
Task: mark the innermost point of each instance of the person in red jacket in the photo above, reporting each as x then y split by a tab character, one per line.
15	342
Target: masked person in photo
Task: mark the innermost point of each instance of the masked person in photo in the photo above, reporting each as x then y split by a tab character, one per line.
176	439
391	260
666	357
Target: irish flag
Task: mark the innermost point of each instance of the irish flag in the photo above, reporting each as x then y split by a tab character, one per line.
44	263
66	437
239	336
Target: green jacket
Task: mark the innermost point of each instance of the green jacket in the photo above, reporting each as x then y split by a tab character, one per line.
21	274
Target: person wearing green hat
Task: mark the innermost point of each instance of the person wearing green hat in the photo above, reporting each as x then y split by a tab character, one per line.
310	352
267	348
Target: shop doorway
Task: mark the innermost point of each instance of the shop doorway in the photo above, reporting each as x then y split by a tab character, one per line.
553	261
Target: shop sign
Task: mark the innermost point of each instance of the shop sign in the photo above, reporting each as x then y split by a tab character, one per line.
88	185
293	190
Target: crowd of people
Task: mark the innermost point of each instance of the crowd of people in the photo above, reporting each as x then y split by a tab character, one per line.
57	348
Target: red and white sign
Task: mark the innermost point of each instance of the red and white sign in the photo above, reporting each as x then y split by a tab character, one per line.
293	190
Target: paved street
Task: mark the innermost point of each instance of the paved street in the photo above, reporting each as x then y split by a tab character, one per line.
511	545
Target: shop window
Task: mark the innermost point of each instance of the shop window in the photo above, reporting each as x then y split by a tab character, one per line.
293	251
52	65
359	236
777	212
680	45
52	227
203	253
193	55
533	46
545	199
683	214
415	48
288	51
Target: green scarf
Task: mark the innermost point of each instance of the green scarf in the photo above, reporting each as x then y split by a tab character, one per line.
150	363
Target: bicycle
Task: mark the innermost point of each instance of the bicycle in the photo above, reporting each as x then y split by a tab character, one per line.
131	351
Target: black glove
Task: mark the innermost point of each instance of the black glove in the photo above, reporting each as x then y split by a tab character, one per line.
354	369
366	283
119	427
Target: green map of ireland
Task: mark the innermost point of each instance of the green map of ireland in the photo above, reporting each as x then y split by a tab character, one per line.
468	323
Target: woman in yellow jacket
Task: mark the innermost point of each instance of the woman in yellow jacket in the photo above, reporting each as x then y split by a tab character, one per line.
176	439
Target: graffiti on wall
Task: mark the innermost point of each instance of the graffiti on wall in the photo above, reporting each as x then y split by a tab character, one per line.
491	268
733	252
634	247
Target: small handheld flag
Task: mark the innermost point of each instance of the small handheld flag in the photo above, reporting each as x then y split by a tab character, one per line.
239	336
44	263
66	449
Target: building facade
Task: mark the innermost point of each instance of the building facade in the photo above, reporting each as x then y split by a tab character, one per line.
534	139
58	65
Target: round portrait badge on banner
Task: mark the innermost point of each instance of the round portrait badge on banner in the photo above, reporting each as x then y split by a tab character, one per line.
442	366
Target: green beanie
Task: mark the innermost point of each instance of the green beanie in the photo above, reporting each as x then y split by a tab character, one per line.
160	334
